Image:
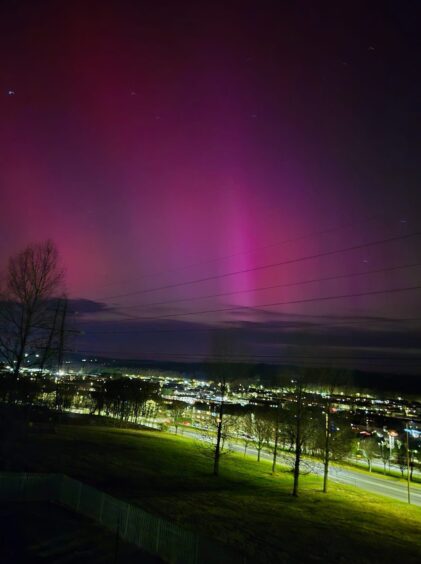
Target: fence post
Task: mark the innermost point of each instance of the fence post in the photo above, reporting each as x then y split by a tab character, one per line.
117	538
62	488
101	507
158	530
196	550
22	487
140	536
79	495
127	521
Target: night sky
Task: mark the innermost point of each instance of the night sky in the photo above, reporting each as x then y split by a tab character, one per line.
166	146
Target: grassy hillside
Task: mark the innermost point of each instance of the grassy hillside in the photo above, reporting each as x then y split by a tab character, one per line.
246	506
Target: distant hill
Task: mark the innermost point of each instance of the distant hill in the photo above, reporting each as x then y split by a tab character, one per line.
265	374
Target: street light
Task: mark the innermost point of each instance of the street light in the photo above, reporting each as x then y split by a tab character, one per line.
392	435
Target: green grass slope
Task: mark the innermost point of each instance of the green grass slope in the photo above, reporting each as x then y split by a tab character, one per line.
245	506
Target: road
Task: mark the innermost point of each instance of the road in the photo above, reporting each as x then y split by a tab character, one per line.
388	487
376	484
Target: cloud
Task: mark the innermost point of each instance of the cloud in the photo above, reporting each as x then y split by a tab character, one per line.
82	306
358	342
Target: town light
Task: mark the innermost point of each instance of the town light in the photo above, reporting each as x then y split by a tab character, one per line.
413	432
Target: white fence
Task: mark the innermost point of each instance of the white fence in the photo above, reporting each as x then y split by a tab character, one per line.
171	543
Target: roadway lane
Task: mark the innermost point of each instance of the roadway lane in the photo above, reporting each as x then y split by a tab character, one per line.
376	485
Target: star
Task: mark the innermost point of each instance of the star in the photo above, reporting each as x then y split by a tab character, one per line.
11	92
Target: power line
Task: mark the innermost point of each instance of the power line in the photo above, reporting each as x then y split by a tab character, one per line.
287	302
263	247
272	287
309	324
266	266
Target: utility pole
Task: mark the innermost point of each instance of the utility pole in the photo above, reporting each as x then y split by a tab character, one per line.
327	447
408	465
60	351
47	348
275	448
62	335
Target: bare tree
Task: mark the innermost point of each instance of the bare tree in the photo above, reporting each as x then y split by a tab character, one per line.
369	448
299	393
34	278
209	434
333	437
259	427
223	372
220	370
298	425
245	438
223	386
178	408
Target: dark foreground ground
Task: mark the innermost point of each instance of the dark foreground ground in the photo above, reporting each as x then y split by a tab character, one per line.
40	533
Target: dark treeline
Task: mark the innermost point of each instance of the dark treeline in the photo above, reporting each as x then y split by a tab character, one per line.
126	398
269	374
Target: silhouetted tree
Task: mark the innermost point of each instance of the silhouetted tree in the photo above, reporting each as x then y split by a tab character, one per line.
337	436
65	394
224	373
98	398
297	420
34	278
299	416
220	369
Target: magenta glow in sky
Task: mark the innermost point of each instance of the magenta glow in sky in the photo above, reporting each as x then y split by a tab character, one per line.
146	139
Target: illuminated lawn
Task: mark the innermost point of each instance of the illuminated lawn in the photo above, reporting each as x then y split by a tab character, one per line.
245	507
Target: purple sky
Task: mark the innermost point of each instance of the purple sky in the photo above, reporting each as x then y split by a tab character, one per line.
161	143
